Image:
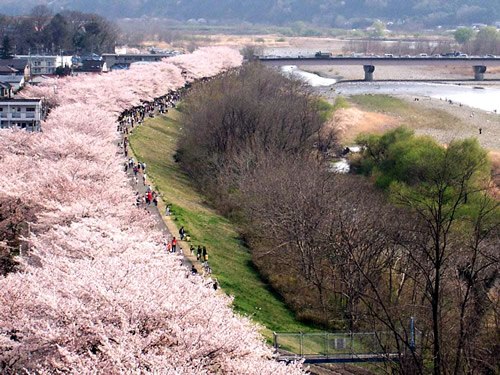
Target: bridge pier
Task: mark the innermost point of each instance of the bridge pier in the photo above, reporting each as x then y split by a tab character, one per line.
479	71
369	69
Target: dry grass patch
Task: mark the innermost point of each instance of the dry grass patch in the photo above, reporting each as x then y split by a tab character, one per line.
411	115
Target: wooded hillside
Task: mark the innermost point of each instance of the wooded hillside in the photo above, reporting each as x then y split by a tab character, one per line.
337	13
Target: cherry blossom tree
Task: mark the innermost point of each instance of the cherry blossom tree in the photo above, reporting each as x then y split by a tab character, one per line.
97	293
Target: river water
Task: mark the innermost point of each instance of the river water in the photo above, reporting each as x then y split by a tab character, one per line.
311	78
480	97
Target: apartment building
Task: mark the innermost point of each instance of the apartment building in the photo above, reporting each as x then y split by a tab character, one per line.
46	65
21	113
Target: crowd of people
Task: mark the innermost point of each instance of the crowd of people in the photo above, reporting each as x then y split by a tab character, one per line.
136	115
131	118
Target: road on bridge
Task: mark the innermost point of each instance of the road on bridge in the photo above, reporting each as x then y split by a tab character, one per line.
478	65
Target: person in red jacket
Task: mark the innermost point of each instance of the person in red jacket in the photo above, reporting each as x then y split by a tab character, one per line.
174	244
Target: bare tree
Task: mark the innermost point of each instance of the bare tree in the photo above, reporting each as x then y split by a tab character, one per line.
14	218
438	201
231	122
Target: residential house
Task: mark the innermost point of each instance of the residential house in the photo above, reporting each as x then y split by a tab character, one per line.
15	82
5	90
9	67
90	66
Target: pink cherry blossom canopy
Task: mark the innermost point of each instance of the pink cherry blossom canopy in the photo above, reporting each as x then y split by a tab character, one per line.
99	294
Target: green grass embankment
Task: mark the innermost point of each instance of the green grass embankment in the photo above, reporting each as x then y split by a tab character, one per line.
155	143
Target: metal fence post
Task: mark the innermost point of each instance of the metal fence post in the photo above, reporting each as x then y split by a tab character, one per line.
327	345
412	334
352	343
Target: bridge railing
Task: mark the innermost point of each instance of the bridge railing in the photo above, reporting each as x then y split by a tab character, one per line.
335	345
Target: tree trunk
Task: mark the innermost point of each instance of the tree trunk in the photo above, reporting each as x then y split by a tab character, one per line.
435	324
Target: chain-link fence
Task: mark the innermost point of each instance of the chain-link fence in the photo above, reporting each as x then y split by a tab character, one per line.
331	345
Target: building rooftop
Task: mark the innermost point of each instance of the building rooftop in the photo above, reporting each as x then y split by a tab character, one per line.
20	100
7	70
37	56
19	64
168	54
11	78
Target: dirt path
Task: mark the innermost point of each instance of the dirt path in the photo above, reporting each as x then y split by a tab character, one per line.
163	221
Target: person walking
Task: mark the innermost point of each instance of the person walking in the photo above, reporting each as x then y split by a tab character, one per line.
205	254
194	271
198	253
174	244
182	232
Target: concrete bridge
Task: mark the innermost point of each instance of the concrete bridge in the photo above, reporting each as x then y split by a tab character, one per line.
478	65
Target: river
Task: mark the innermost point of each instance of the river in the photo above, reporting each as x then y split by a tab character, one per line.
480	97
311	79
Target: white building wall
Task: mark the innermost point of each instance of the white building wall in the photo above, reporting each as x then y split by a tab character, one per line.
46	64
22	114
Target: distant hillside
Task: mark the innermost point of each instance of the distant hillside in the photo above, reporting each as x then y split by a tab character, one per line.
334	13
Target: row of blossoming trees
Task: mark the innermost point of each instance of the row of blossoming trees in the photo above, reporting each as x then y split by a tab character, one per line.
97	293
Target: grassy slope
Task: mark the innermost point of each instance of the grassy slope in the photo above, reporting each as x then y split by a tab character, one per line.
155	143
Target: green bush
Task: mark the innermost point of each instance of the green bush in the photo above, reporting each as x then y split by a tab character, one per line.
399	156
340	103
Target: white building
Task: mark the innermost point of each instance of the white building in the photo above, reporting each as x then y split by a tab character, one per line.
41	64
115	61
21	113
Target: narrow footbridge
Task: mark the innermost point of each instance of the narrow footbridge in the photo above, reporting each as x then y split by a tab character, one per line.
342	347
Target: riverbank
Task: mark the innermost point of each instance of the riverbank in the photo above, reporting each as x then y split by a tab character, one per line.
230	260
437	118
